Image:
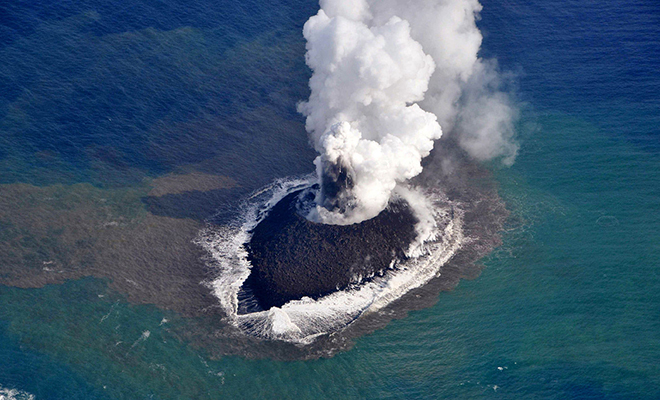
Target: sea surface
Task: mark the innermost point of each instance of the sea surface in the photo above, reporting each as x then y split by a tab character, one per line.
124	124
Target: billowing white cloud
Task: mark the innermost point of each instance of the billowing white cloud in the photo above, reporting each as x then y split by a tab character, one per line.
386	75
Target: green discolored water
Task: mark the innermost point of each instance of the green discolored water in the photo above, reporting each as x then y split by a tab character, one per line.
567	308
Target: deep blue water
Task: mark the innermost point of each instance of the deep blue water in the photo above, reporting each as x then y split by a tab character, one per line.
115	94
595	59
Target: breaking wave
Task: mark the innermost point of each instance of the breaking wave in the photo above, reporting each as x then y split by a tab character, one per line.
14	394
439	236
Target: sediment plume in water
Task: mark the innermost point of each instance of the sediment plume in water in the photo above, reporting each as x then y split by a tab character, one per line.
141	241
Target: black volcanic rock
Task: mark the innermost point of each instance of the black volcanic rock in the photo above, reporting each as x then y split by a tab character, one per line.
293	257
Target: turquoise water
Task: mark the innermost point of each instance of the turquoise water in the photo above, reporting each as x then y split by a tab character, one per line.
568	307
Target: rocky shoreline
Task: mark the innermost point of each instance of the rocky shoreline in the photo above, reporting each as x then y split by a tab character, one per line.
293	257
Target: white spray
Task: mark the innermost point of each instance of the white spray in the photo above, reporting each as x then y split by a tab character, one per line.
386	75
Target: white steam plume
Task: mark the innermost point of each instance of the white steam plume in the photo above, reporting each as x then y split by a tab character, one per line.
386	75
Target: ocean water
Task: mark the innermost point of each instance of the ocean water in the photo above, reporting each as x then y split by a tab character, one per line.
119	115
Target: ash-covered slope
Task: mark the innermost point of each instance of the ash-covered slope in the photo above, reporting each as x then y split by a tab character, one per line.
293	257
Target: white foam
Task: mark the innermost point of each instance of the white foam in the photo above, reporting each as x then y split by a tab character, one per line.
301	321
145	335
14	394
